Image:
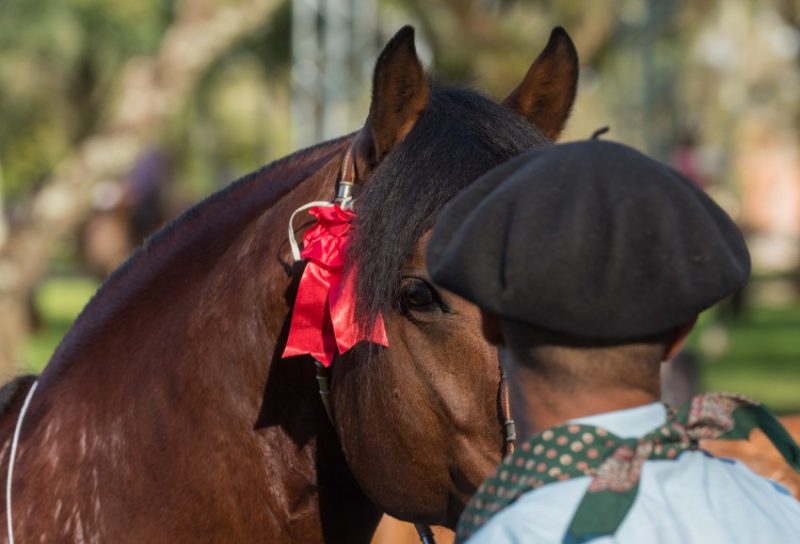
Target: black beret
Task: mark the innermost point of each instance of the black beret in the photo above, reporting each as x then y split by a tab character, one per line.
592	239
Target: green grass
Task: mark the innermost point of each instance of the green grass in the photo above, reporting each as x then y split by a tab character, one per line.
762	359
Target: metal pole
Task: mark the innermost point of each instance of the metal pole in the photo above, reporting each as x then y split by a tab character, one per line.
306	74
659	76
333	51
363	54
335	69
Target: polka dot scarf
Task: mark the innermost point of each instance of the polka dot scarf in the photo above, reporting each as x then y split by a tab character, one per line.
614	463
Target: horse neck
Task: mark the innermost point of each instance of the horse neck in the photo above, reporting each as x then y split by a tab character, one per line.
179	358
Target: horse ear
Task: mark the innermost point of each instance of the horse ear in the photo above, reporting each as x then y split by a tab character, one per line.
400	94
546	95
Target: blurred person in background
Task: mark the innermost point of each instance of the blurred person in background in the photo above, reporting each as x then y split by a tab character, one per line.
125	213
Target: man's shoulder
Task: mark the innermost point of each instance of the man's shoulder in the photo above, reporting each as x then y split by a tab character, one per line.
704	494
710	497
699	468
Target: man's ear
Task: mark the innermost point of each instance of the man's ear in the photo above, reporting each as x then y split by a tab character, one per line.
547	92
491	328
679	339
400	94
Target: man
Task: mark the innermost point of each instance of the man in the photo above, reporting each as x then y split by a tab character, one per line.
590	263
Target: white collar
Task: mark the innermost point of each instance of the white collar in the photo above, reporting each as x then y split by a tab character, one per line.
630	422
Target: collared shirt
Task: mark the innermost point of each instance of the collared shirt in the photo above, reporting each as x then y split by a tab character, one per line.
696	498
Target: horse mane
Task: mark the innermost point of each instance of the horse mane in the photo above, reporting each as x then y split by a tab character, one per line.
13	391
174	249
460	136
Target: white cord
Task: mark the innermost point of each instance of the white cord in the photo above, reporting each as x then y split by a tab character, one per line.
292	239
11	459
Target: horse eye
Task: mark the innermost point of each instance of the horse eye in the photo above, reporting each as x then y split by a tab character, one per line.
418	295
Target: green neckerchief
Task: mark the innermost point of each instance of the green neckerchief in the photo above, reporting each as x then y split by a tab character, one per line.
614	463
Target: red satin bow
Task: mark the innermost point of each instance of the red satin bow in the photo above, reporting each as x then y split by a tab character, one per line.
324	319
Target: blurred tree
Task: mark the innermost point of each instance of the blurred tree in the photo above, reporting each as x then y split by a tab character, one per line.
143	96
3	222
57	64
790	10
469	36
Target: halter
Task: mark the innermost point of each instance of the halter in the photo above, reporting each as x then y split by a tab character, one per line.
346	200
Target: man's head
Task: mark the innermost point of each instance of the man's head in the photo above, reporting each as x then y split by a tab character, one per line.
588	254
569	364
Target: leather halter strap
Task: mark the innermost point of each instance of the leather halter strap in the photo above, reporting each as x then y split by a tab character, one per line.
345	199
509	427
344	192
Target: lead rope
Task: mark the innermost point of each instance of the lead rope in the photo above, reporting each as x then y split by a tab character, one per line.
12	458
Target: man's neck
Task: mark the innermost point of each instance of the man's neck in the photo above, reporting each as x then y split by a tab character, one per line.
538	406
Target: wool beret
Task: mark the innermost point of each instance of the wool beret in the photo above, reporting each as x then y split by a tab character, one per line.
592	239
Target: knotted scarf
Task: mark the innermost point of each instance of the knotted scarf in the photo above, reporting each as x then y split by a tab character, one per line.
614	463
323	319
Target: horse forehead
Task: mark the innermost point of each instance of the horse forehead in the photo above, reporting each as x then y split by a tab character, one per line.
417	257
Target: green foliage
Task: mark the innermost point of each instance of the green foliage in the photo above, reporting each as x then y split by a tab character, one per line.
237	120
59	64
763	359
57	61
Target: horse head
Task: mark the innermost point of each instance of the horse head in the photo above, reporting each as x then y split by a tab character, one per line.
419	422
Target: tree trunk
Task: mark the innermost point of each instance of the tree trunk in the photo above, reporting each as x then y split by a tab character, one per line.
152	91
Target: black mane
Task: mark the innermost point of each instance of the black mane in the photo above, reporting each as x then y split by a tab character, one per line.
460	136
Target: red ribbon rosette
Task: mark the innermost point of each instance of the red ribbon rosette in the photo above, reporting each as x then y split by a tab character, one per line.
323	322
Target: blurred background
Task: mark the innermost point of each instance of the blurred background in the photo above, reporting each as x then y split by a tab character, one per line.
117	116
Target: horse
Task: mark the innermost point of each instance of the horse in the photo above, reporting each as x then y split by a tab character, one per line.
167	413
